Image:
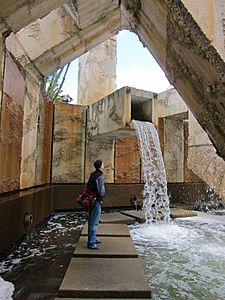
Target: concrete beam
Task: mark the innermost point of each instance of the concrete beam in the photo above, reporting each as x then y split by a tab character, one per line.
19	14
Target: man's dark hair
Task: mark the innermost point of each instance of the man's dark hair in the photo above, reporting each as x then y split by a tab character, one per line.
97	164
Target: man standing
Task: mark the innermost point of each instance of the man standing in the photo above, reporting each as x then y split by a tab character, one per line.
95	184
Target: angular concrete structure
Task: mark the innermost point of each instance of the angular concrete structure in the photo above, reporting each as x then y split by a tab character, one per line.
111	117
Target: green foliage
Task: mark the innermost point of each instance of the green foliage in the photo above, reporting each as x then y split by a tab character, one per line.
53	86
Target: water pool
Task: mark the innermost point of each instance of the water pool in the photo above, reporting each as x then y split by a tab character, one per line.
184	259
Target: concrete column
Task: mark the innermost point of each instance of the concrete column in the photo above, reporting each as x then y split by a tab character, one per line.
2	60
96	79
97	72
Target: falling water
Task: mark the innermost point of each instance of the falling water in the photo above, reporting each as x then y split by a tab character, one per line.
156	201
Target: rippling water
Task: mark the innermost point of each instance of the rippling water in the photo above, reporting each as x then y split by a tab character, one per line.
183	259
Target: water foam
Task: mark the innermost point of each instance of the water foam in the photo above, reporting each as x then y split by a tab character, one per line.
156	200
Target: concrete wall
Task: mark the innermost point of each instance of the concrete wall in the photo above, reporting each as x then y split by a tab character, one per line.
13	207
69	143
12	111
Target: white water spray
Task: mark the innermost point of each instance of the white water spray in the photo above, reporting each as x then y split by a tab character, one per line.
156	201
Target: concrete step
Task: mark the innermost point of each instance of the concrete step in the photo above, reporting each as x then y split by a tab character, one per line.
109	230
138	215
110	247
182	213
117	218
105	278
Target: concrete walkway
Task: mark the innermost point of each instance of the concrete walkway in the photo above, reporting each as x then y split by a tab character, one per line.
114	270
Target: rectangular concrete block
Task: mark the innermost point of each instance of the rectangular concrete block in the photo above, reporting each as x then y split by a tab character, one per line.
105	278
137	214
110	247
109	230
117	218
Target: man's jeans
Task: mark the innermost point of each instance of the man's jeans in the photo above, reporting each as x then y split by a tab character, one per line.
93	221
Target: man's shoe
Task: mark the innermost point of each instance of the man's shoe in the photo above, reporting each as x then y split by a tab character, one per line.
98	242
93	247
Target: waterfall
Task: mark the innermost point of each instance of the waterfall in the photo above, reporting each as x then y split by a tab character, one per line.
156	201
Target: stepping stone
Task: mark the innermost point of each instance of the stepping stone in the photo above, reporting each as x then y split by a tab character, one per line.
110	247
105	278
117	218
109	230
96	298
137	214
181	213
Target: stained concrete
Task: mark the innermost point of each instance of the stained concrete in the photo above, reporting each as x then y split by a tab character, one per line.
109	230
117	218
110	247
105	277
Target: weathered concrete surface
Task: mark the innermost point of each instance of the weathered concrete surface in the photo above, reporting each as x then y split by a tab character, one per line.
97	72
79	28
105	278
68	143
110	114
127	161
117	218
20	13
37	202
210	19
12	110
110	230
191	64
100	149
203	159
181	213
113	247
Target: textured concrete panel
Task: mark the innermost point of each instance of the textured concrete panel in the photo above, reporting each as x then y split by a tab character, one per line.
127	161
36	201
68	144
100	149
110	247
97	72
109	230
105	277
11	126
117	218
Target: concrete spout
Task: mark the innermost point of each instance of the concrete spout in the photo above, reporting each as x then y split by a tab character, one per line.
111	117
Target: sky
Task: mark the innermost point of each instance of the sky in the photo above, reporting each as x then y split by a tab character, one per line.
136	67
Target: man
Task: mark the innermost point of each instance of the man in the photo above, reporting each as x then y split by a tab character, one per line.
95	184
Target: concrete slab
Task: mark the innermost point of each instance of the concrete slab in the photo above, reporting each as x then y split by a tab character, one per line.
97	298
105	278
117	218
110	247
181	213
137	214
109	230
